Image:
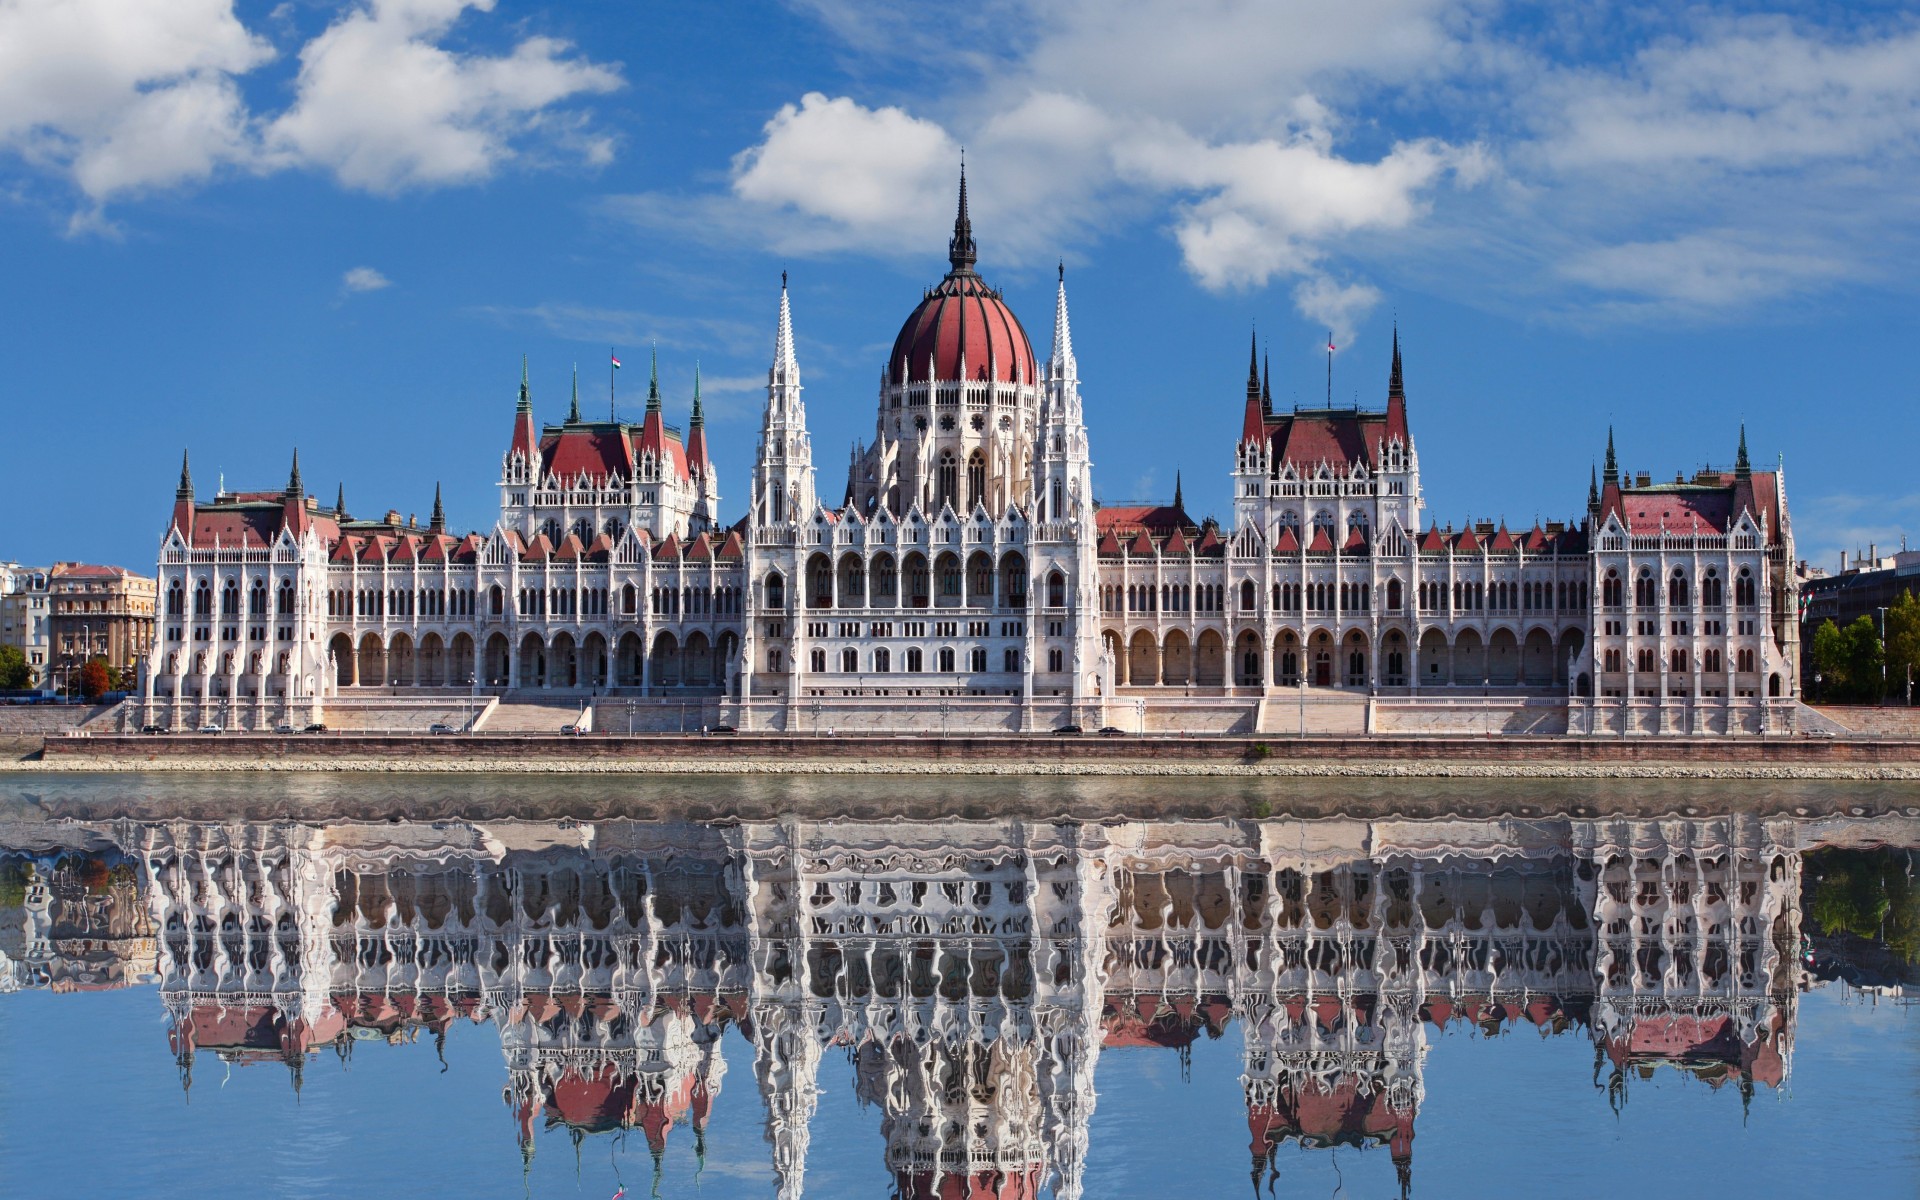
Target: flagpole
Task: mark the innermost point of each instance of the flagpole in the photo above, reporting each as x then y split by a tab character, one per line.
612	372
1329	368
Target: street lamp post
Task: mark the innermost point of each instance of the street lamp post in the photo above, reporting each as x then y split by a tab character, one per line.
1882	610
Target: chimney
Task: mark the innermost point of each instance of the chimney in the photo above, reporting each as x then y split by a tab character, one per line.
1643	479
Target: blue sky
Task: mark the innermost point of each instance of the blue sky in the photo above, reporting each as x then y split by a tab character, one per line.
242	227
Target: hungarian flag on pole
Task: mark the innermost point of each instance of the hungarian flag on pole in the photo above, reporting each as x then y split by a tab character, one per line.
616	362
1330	346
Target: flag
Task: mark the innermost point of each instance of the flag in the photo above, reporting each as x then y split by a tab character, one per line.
1330	346
616	362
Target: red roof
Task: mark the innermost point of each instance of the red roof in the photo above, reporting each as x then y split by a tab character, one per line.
1130	518
962	321
1709	503
1337	437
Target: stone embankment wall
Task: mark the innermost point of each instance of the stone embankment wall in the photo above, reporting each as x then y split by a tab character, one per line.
868	752
46	720
1874	722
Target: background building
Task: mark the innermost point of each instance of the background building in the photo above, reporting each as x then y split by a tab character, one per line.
23	616
97	611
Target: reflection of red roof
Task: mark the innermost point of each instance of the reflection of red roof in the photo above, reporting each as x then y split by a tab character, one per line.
979	1185
1323	1116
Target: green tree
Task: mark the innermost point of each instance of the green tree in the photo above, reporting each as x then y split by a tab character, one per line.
15	674
1830	661
93	679
1903	642
1865	658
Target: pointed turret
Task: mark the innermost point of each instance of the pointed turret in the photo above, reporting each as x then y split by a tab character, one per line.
1397	397
1593	488
340	503
183	500
961	252
1253	366
294	500
1611	474
785	367
1060	364
1266	385
1179	502
573	409
697	431
526	439
439	522
294	490
1742	468
653	384
783	476
1254	427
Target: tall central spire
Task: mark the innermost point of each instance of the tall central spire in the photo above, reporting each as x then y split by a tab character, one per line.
783	360
1396	385
961	251
1061	360
653	383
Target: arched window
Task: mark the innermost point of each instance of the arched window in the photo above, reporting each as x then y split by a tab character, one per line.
1357	523
1056	590
629	600
1288	520
1323	522
1056	507
615	528
946	482
976	479
1012	661
882	661
1247	594
1713	594
1610	591
1743	590
945	658
776	590
1643	593
913	660
551	528
257	599
284	603
176	599
1393	595
583	529
1677	590
850	661
230	599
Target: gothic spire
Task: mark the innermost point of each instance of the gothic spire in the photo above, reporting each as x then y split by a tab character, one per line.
573	412
1742	468
185	490
294	490
340	503
1266	385
1061	360
783	360
526	393
699	419
439	522
961	252
1253	365
1395	385
653	383
1178	501
1612	471
1593	487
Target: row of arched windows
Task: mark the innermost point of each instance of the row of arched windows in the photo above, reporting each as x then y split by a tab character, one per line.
879	660
1147	597
1678	594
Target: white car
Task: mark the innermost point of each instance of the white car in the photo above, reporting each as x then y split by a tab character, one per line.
209	729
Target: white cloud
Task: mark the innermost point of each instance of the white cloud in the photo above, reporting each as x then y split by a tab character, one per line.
364	279
125	96
1707	271
1338	306
384	107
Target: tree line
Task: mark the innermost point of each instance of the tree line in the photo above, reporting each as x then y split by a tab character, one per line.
1853	663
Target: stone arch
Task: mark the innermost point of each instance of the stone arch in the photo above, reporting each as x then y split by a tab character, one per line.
850	582
819	576
344	661
1116	652
402	662
498	667
1536	658
371	670
1469	659
460	664
1355	660
1248	667
563	661
1286	658
1436	660
883	581
916	580
949	583
593	660
1176	659
1395	668
433	661
1322	671
696	660
1572	641
629	659
1210	659
533	661
1503	658
1143	660
1013	580
666	661
980	582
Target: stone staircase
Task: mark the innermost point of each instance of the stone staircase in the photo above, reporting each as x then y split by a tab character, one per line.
521	716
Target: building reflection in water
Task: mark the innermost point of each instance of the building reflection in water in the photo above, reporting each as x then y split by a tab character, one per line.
973	973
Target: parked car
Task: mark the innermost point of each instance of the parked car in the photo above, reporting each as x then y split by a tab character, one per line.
721	729
572	730
1112	731
440	727
1067	731
209	729
316	727
283	727
155	729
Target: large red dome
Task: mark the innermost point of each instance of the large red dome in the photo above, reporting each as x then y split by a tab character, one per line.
962	319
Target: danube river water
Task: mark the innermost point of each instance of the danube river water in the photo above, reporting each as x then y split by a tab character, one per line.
454	987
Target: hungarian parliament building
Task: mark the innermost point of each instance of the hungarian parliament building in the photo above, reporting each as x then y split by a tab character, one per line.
967	577
963	979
